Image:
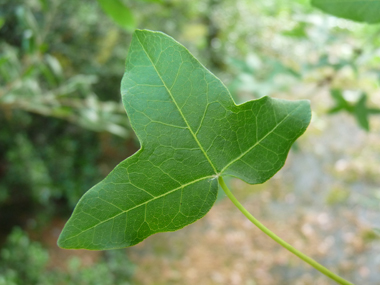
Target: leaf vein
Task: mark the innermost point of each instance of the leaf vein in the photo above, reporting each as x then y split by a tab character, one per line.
144	203
179	110
258	142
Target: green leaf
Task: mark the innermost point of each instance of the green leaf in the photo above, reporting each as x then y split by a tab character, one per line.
359	109
373	111
2	22
119	13
361	112
191	132
152	1
356	10
341	103
298	31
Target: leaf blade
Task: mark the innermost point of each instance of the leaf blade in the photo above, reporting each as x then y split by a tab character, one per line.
176	104
190	130
356	10
119	13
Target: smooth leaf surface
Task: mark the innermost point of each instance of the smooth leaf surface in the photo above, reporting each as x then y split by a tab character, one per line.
120	13
356	10
191	132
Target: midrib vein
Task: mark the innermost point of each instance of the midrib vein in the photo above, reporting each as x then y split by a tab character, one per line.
141	204
179	110
193	134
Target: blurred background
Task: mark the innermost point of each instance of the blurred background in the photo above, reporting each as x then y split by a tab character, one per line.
63	129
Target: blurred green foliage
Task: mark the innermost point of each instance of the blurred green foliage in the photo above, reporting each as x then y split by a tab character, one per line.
120	13
51	102
26	262
337	196
358	108
37	62
48	163
360	10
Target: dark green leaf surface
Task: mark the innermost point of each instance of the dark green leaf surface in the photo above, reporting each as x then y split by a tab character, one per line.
191	132
120	13
356	10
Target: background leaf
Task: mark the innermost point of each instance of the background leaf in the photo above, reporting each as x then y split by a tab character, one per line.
360	11
361	112
190	132
358	108
120	13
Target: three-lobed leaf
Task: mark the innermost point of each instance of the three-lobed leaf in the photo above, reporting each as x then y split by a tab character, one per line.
191	132
356	10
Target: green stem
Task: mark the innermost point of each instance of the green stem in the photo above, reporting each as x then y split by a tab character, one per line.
273	236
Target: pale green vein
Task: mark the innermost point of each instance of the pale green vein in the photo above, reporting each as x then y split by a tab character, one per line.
147	85
142	189
110	203
176	77
166	124
203	117
268	149
159	122
258	142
